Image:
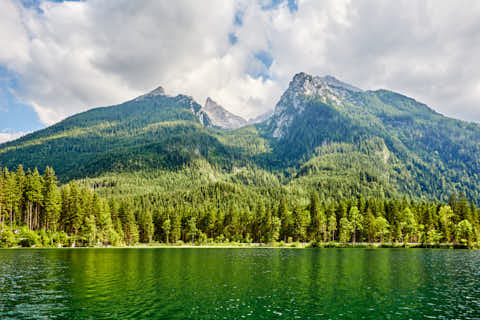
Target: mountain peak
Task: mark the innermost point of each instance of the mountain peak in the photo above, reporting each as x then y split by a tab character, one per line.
211	105
301	77
334	82
221	117
305	80
159	91
302	89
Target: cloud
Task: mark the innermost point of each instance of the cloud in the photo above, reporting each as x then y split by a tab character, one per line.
5	137
71	56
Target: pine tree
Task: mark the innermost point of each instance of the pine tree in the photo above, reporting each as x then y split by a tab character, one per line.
356	221
345	230
286	218
11	194
446	216
192	228
370	225
332	226
129	225
36	196
2	202
146	226
316	217
51	200
301	220
166	227
74	215
408	224
276	226
381	227
21	181
176	227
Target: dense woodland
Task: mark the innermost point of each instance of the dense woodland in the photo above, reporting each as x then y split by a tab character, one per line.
35	211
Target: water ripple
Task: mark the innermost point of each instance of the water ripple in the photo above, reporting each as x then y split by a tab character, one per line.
239	284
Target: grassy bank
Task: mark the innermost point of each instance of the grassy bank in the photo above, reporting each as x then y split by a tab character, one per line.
281	244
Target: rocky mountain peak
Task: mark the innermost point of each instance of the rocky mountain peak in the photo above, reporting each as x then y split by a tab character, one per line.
159	91
221	117
334	82
211	105
309	85
303	88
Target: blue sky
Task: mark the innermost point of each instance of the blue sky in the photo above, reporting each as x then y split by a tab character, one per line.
58	58
15	116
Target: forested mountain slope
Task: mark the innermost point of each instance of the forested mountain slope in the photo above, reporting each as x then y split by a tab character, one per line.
418	150
324	135
154	131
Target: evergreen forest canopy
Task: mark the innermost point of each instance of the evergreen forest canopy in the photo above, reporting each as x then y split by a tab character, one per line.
35	212
333	162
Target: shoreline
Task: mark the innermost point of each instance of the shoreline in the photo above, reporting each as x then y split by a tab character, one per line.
334	245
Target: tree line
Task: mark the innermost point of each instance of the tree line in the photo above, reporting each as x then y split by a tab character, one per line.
35	211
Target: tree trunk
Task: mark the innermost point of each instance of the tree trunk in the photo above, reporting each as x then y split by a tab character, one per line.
36	220
74	239
29	214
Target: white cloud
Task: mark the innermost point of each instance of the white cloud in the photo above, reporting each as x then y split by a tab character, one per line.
13	38
77	55
5	137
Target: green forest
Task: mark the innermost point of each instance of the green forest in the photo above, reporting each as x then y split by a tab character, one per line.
36	212
328	167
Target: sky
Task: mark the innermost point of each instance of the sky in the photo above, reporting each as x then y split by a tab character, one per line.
58	58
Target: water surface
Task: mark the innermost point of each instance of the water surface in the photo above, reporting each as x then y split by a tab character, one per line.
239	284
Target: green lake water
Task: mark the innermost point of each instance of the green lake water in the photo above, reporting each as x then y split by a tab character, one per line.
239	284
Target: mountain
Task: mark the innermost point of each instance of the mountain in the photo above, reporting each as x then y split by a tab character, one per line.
426	153
151	131
222	118
323	135
261	118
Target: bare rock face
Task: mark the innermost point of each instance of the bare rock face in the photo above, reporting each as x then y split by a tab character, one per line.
222	118
302	88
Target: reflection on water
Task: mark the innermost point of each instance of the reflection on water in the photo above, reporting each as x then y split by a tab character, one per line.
239	283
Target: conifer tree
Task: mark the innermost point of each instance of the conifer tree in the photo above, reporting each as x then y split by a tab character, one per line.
146	229
446	216
286	218
51	200
332	226
356	221
166	227
301	220
11	194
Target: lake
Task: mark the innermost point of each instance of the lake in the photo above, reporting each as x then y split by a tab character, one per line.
191	283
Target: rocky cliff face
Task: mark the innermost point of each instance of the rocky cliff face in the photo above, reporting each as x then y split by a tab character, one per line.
303	88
